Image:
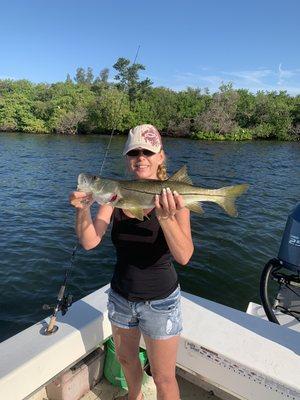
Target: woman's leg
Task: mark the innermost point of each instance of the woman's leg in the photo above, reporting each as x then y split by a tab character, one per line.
127	350
162	356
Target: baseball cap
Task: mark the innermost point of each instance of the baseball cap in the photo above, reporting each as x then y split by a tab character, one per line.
145	136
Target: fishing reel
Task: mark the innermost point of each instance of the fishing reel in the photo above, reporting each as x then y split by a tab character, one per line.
62	305
64	301
280	279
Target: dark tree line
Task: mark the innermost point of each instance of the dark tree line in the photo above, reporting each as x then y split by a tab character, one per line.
96	104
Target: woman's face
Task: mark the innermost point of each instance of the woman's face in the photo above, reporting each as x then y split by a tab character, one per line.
145	166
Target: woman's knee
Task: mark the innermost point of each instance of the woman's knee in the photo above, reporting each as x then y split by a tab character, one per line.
162	379
128	359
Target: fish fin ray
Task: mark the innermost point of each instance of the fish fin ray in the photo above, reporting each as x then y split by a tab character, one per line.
229	195
195	207
132	207
181	176
137	212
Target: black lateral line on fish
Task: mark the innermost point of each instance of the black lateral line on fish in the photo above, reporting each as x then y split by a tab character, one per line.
137	190
182	194
206	194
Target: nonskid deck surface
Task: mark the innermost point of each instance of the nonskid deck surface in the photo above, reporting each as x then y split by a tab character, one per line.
188	391
105	391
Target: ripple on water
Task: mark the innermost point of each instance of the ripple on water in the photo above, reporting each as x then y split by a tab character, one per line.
37	224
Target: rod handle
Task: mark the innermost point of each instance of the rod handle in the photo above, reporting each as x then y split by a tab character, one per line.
51	324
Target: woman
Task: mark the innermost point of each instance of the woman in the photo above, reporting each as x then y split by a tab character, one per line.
145	295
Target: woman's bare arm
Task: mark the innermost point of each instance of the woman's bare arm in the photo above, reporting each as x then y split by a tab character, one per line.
89	232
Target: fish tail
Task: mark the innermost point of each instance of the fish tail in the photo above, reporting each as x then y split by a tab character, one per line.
227	196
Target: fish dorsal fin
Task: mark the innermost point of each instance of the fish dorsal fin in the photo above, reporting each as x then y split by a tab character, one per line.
181	176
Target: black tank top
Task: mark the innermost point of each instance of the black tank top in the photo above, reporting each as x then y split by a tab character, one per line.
144	268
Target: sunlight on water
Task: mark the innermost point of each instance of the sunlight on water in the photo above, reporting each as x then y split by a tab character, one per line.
37	223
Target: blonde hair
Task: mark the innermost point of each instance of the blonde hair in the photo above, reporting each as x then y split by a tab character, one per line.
162	169
162	172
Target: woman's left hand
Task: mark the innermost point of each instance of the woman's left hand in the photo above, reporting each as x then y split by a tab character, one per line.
167	204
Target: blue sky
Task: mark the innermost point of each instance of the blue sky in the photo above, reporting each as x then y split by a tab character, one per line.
254	44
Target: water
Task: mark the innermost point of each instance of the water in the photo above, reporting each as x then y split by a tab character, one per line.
37	223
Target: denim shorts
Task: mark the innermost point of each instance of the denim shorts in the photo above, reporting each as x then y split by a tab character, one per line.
158	319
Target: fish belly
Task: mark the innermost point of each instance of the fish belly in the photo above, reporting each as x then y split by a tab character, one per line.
131	199
193	198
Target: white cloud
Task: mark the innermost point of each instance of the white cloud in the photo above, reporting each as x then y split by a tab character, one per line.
254	80
284	74
255	76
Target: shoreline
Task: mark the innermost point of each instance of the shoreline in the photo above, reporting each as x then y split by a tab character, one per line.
203	136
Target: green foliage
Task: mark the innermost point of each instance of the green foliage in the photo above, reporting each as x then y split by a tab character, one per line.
240	134
163	103
80	76
220	114
68	79
89	76
273	114
263	130
16	113
237	134
190	103
109	111
128	79
295	112
245	112
103	77
68	122
94	105
142	113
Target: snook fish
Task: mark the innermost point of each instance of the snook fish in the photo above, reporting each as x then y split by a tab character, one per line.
136	195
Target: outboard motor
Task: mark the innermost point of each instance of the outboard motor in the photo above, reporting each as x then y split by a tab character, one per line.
289	252
285	270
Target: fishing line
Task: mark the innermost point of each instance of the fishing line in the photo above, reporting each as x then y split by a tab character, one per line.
65	301
117	113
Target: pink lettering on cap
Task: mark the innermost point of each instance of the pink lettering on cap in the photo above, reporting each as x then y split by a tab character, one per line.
152	136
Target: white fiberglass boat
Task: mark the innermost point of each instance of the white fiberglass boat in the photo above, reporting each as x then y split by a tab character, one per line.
229	353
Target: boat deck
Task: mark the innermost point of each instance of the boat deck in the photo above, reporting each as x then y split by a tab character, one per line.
105	391
188	391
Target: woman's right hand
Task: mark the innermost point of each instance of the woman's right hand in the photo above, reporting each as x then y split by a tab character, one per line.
81	200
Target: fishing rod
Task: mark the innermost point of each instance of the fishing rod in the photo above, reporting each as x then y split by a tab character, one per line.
117	113
64	301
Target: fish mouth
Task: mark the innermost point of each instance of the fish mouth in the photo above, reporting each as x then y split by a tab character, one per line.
84	182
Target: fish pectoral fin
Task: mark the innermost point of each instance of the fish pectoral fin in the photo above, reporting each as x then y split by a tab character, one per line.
132	208
137	212
195	207
181	176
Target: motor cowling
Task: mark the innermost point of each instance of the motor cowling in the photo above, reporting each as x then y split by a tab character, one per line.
289	251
